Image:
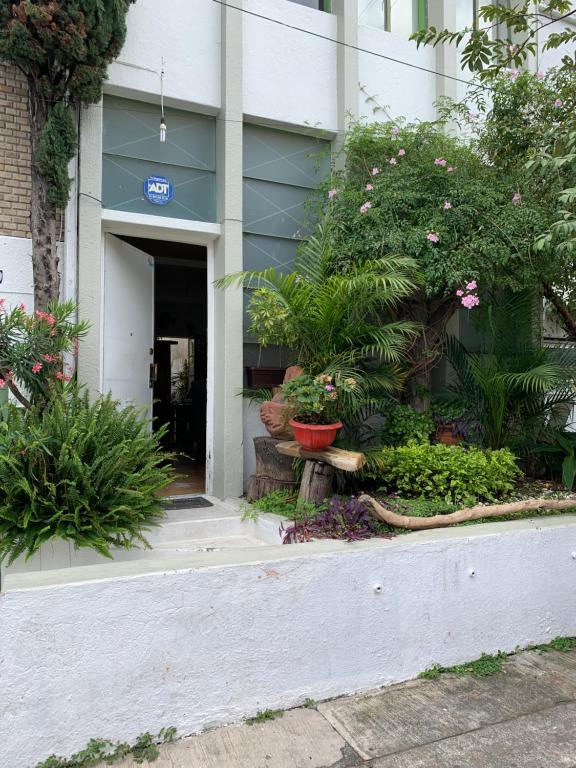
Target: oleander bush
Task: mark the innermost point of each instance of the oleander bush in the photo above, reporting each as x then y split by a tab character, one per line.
87	472
448	473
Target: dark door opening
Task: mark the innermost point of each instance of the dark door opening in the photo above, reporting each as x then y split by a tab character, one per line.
179	371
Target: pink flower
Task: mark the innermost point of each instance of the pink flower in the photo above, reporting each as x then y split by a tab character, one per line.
459	293
472	285
2	303
365	206
433	237
513	73
447	205
375	171
21	307
393	161
329	388
516	198
440	161
558	103
37	367
60	376
48	358
472	116
470	301
369	187
401	152
2	383
395	131
332	194
540	74
450	169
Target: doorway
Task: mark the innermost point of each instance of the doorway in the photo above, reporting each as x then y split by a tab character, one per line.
177	298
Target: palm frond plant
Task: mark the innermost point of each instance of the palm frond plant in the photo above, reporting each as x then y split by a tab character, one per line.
335	323
514	389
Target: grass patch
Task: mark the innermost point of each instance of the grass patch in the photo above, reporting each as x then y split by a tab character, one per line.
264	716
488	664
283	503
309	703
485	666
103	752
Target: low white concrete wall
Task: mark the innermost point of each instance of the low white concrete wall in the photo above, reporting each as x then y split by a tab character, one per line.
215	639
16	264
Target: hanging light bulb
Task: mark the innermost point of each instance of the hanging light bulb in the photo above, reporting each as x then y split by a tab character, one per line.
162	119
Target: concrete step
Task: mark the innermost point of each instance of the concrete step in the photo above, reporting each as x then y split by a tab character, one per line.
208	544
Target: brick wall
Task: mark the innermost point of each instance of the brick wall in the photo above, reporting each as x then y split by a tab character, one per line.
14	154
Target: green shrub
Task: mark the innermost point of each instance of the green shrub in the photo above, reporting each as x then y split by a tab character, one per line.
405	425
447	473
81	471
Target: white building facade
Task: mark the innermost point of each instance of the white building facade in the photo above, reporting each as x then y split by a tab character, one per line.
254	92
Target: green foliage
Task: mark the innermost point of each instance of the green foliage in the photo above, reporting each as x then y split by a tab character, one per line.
336	323
488	54
514	387
63	47
318	399
283	503
56	147
483	235
103	752
446	473
488	665
562	644
34	349
263	716
485	666
563	449
80	471
309	703
405	425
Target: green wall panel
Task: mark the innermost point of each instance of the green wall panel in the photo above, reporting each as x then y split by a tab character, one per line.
132	151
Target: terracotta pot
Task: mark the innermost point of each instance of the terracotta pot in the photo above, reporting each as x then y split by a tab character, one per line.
260	378
315	437
445	434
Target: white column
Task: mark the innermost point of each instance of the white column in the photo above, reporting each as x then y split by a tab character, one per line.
347	71
226	463
442	15
90	257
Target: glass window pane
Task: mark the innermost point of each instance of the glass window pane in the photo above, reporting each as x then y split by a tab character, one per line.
372	13
401	17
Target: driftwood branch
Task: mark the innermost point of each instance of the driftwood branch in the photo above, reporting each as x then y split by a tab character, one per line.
462	515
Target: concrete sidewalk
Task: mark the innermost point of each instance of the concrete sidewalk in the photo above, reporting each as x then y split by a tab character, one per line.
522	717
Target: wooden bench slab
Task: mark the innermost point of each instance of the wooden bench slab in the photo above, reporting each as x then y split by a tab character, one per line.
348	461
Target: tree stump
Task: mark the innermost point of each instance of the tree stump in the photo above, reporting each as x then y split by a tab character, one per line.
317	481
274	471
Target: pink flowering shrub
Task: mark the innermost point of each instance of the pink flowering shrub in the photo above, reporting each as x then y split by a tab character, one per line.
467	297
38	350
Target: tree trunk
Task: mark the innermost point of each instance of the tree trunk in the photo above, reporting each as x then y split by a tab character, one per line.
43	213
274	472
563	311
317	481
462	515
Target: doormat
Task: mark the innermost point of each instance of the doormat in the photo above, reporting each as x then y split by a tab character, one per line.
186	502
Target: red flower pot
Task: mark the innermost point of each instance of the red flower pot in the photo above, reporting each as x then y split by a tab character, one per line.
315	437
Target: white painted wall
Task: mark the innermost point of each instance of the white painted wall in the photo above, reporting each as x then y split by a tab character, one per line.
16	263
553	58
187	34
289	75
404	91
130	650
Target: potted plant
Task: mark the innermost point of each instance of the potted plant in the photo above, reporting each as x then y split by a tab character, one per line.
314	403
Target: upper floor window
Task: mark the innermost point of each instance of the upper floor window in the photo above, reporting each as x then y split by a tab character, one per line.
402	17
319	5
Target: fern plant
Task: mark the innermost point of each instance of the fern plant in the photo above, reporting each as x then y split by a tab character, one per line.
80	471
336	323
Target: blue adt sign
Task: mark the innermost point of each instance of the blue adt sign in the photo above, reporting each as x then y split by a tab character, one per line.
158	190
